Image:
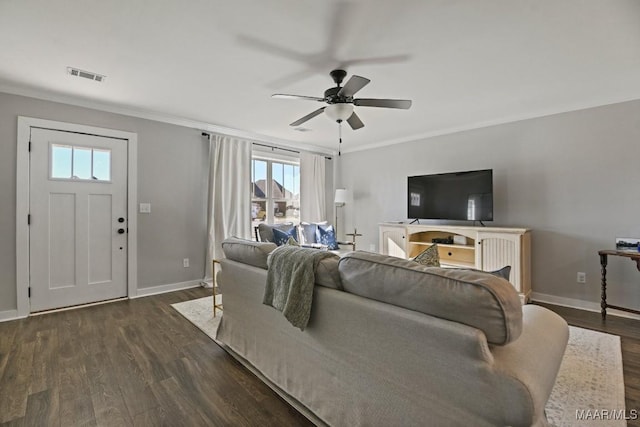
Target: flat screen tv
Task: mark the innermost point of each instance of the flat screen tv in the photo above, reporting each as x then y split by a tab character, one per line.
454	196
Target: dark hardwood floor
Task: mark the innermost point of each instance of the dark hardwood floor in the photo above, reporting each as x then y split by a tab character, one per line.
136	362
139	362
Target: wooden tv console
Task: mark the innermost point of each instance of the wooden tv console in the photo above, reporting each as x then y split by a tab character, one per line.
485	248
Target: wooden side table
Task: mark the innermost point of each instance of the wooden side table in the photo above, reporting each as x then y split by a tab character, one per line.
633	256
215	286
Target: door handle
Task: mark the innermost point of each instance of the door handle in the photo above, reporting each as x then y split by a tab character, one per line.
121	220
120	230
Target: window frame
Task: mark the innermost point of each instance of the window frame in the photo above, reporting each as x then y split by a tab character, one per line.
269	201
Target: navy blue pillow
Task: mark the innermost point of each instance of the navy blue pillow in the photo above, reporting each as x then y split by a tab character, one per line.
281	237
326	235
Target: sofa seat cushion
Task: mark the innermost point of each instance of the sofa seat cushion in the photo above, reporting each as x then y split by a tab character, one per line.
474	298
248	251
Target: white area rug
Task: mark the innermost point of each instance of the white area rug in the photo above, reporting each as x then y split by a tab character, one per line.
590	380
200	313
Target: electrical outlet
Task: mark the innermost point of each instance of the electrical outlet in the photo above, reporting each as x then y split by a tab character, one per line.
185	262
582	277
145	207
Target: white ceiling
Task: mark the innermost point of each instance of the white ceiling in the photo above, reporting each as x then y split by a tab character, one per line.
464	63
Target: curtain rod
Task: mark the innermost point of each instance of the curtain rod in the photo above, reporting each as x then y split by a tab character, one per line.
273	147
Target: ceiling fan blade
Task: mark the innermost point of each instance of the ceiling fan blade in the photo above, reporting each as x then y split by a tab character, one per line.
307	117
354	84
286	96
355	122
403	104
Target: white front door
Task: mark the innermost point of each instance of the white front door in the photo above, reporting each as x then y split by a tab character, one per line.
78	219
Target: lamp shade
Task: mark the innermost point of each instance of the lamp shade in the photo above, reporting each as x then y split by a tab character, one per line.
341	196
338	112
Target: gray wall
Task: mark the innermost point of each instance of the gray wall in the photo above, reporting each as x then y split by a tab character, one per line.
172	164
572	178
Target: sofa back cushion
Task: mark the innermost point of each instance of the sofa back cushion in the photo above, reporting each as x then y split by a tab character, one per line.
327	273
474	298
256	254
265	231
247	251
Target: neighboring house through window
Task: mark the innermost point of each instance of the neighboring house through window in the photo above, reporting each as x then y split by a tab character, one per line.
275	189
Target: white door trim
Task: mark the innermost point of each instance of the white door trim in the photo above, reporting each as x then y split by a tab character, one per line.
22	202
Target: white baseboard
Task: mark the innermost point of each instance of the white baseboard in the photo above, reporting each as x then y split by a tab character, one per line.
155	290
579	304
7	315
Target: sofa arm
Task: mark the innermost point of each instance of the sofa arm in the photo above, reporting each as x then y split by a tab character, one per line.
533	360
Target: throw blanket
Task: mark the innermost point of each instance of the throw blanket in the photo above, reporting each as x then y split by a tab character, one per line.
290	282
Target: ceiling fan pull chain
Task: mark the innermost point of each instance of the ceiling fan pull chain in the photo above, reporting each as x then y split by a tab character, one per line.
339	137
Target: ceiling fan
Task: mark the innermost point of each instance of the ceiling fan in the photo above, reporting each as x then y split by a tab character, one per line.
341	101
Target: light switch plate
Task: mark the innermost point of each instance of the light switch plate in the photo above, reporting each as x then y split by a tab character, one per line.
145	207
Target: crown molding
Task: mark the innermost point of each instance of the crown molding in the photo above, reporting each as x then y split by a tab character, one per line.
159	117
284	143
495	122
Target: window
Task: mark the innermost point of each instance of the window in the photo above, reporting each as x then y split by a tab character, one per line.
80	163
275	190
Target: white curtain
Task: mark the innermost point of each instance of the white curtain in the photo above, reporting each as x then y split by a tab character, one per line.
312	188
229	209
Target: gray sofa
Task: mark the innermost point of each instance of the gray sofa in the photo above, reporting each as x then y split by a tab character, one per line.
391	343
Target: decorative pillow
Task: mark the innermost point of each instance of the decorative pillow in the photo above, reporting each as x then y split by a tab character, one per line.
309	231
429	257
281	237
504	272
292	242
326	235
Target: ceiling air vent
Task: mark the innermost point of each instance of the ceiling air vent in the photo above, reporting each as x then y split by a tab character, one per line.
85	74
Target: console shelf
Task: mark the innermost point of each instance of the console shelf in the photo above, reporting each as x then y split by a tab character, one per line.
486	248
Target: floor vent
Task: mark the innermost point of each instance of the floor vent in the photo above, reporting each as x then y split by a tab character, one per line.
85	74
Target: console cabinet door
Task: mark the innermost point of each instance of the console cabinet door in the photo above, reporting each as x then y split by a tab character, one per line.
498	250
393	241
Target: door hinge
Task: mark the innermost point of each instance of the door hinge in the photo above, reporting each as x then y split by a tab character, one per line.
29	291
28	219
29	145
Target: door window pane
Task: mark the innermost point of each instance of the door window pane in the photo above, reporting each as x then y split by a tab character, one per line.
81	163
101	165
60	161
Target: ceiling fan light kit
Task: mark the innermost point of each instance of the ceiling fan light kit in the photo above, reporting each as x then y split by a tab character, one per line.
339	112
341	102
